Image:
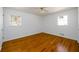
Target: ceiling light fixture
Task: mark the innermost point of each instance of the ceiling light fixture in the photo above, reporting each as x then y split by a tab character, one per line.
43	10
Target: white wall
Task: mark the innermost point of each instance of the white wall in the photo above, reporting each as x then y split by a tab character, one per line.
1	26
69	31
78	25
31	24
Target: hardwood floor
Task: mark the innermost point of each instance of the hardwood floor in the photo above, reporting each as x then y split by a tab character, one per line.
41	42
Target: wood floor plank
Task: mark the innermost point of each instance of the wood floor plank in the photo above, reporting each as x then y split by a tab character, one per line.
41	42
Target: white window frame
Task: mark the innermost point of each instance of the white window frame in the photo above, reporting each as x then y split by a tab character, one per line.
16	20
62	20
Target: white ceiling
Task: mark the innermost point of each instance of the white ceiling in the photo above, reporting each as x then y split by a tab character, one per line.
37	11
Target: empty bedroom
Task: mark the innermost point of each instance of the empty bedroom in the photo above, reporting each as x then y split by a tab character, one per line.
39	29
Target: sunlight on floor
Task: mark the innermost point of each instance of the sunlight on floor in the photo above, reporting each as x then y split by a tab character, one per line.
61	48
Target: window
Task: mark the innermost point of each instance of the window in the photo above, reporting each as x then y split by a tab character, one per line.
62	20
16	20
